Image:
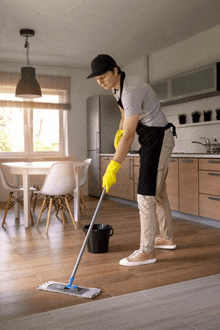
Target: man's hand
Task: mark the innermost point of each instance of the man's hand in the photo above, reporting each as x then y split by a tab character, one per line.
110	175
118	137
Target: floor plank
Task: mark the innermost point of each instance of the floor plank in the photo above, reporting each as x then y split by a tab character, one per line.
30	257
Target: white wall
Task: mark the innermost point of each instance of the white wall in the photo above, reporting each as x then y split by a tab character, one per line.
138	68
195	52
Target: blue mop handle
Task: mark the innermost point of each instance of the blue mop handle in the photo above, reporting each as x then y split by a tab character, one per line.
86	238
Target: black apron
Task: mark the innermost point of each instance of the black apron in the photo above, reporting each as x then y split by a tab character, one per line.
151	140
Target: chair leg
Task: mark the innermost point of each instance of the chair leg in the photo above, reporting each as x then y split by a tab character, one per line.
80	208
84	204
41	211
32	219
35	201
6	209
70	212
62	210
48	215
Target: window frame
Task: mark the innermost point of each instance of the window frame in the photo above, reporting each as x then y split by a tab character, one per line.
50	85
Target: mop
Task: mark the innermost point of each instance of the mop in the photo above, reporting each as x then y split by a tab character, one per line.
69	288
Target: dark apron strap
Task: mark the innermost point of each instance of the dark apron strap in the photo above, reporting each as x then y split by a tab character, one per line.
170	125
121	89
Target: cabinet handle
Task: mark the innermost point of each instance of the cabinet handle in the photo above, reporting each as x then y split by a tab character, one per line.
214	198
214	174
187	161
172	160
214	161
130	168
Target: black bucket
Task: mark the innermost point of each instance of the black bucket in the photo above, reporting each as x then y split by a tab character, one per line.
99	237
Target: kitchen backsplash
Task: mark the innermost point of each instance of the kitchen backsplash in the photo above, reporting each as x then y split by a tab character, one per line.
188	132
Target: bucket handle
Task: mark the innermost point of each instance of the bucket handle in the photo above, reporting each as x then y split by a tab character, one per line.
111	232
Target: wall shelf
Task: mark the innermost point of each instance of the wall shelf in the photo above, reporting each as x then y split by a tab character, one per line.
199	123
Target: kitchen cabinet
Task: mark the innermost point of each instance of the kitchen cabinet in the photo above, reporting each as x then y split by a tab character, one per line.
194	85
124	187
209	188
172	184
193	184
188	185
161	89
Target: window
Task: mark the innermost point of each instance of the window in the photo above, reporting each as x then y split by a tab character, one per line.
36	127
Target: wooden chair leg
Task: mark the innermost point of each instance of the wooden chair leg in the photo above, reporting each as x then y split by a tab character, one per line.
41	211
48	215
70	212
32	219
6	209
62	210
35	201
80	208
84	204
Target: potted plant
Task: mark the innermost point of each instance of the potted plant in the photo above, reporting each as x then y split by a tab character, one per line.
182	119
207	115
196	116
218	113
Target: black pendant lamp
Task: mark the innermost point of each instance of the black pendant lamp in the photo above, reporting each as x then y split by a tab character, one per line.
28	86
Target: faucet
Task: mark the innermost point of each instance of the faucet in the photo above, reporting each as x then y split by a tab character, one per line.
206	144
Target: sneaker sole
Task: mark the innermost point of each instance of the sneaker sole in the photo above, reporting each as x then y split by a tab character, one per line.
124	262
167	247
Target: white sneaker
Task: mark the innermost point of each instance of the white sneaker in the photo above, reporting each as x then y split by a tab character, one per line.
161	243
137	258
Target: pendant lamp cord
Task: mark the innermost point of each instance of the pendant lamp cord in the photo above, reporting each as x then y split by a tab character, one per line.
26	45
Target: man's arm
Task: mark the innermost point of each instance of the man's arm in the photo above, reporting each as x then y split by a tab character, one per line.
129	128
122	118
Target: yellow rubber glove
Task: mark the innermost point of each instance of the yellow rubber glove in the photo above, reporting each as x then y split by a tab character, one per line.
109	177
118	136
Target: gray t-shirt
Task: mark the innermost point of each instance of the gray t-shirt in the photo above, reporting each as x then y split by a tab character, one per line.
139	98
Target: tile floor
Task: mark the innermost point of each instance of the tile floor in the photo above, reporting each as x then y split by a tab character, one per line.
189	305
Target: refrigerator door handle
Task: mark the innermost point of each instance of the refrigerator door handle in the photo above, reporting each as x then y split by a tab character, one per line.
97	141
97	160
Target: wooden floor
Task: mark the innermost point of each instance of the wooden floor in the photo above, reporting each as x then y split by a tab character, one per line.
29	257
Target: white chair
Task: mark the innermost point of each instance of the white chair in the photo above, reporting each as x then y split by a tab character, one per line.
83	177
12	199
59	182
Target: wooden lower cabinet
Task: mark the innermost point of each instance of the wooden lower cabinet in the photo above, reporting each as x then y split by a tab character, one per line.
193	185
124	187
209	206
172	184
209	188
189	185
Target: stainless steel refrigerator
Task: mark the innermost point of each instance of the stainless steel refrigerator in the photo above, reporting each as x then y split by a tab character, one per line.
103	118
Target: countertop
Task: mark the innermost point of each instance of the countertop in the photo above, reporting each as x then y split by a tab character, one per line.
181	154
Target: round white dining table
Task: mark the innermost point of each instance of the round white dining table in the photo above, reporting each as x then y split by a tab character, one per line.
26	169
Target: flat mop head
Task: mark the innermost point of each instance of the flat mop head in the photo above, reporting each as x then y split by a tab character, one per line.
78	291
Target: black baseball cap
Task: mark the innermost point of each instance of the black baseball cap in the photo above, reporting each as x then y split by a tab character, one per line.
101	64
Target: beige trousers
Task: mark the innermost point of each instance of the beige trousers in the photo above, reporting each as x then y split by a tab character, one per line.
157	208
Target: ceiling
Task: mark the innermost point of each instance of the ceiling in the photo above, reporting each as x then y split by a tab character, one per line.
73	32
